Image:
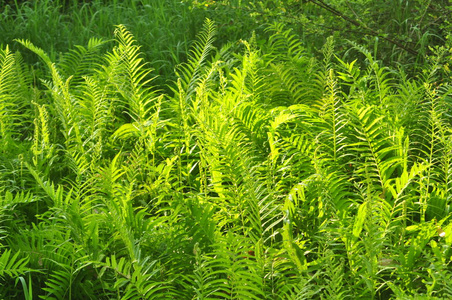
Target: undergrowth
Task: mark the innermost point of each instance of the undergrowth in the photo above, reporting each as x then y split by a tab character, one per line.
264	173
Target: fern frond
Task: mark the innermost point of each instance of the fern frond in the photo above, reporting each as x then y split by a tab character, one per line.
59	284
15	100
431	142
227	267
12	265
137	280
406	103
190	72
283	41
246	84
9	215
381	81
290	71
82	61
374	147
63	99
333	118
129	76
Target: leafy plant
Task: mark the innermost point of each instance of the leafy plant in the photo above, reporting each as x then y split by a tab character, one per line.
262	173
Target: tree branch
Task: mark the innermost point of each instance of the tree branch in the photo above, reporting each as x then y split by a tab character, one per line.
370	31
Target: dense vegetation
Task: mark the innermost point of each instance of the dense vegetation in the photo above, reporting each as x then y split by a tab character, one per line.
225	150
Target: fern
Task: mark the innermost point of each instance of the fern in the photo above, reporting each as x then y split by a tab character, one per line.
130	76
334	272
14	100
59	88
265	173
380	82
11	217
226	269
12	265
373	147
333	117
82	61
192	71
289	69
431	137
136	281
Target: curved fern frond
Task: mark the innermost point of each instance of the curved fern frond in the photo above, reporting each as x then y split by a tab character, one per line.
290	71
432	143
82	61
129	77
284	42
134	281
189	73
373	147
63	99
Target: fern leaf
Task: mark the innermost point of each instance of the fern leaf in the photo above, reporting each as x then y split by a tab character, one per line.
191	72
12	265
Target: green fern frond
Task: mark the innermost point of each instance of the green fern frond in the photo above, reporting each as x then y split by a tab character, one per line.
129	76
284	42
406	103
63	99
59	285
12	265
431	142
380	81
246	84
373	147
82	61
137	280
15	99
332	117
226	268
334	271
290	71
288	87
9	215
190	72
232	171
252	121
96	112
42	148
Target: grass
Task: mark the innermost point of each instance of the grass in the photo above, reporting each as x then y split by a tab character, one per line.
164	29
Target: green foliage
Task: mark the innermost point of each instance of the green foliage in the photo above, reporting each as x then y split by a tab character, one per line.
264	173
